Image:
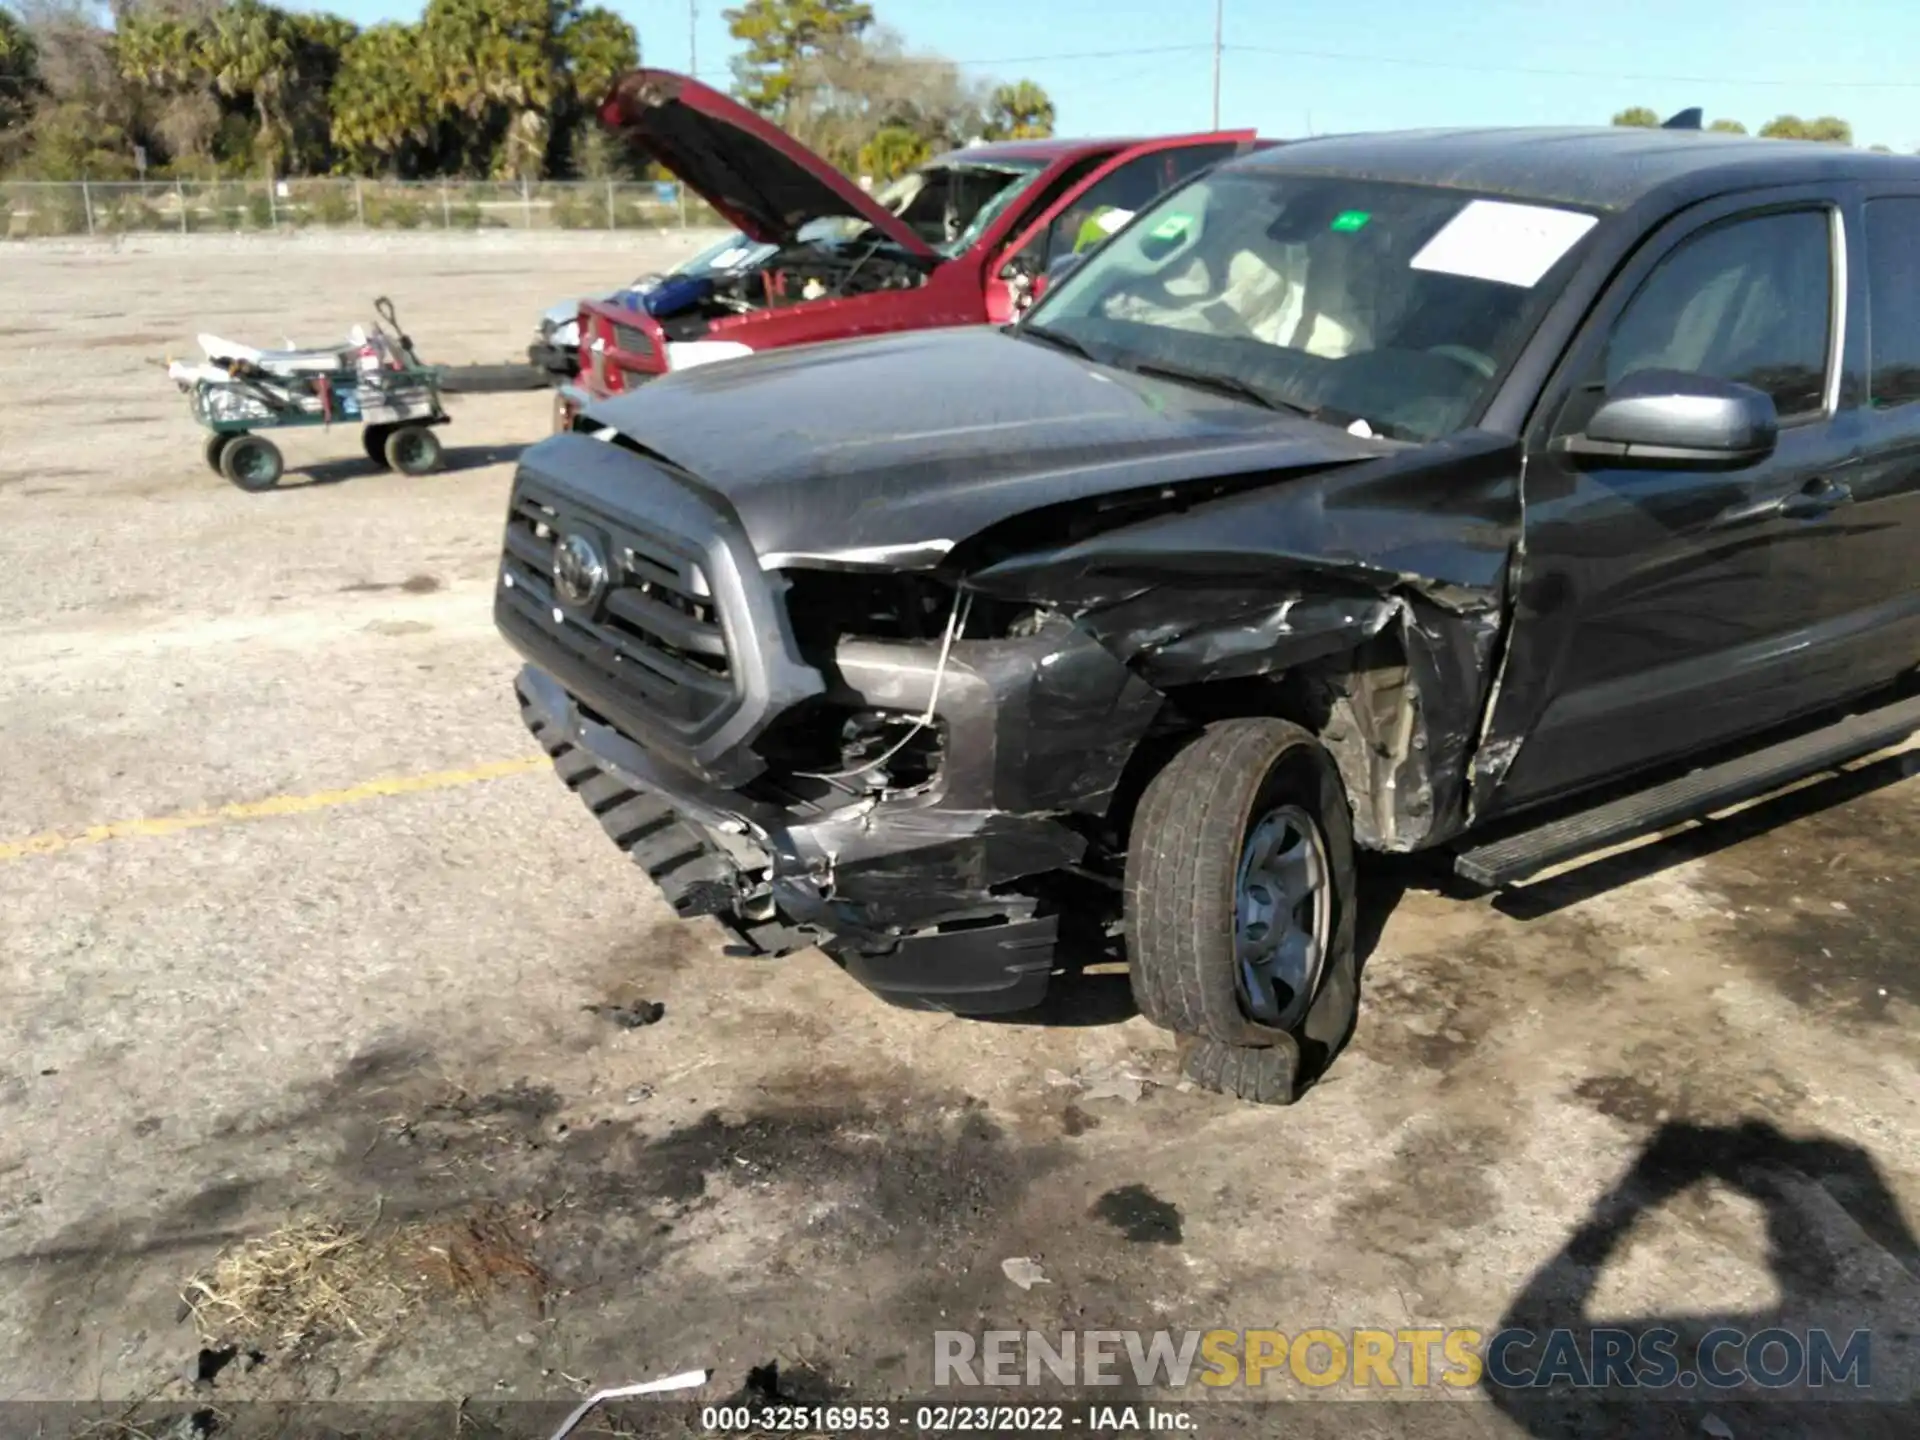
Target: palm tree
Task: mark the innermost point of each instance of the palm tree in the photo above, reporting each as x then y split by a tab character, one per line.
250	53
892	152
381	101
497	64
1019	111
19	73
167	57
597	47
160	52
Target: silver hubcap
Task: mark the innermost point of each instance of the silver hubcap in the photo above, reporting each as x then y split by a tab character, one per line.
1282	911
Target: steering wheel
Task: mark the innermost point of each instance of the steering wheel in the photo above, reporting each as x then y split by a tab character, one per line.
1481	365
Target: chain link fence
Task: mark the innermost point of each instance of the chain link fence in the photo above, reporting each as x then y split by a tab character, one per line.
32	209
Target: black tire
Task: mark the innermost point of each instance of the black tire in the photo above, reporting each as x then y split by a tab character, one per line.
252	462
413	450
1182	892
216	446
373	440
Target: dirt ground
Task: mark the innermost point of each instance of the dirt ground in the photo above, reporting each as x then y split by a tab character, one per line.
361	988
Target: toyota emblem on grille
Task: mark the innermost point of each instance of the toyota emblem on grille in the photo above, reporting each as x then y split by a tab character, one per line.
579	571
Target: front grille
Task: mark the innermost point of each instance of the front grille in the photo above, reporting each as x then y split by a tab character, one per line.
656	641
632	341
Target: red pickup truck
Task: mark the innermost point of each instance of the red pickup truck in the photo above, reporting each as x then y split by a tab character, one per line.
966	239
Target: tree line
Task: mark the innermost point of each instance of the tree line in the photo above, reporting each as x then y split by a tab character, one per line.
1828	128
203	89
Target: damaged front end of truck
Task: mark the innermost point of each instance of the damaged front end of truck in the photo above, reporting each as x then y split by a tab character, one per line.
923	754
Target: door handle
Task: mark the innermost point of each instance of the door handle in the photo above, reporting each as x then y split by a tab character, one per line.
1812	500
1816	498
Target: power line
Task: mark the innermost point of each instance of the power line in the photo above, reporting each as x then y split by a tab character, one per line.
1217	48
1805	83
1137	51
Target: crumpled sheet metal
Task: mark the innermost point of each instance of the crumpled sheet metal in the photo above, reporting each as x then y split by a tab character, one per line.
1235	637
1262	583
1269	638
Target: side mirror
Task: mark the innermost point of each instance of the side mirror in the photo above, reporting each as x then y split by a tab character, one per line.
1656	419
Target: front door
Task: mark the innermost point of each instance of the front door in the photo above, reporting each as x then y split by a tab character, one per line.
1654	613
1874	590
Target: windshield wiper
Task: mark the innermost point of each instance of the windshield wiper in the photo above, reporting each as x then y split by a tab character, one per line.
1057	339
1221	384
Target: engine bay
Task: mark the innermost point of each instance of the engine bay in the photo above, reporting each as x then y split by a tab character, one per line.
839	257
794	275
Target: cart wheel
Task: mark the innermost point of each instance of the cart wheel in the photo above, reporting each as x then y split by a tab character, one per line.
252	462
374	439
216	447
413	450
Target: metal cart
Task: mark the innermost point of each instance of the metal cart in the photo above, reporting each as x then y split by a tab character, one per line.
376	382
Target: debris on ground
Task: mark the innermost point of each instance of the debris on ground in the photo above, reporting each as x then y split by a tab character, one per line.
482	1253
1717	1428
1127	1088
313	1281
687	1380
296	1287
196	1426
205	1367
1113	1081
1024	1271
629	1017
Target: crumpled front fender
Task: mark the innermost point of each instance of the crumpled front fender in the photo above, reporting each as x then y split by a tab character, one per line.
1345	577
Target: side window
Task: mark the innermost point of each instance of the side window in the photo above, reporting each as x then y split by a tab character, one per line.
1893	291
1749	300
1103	206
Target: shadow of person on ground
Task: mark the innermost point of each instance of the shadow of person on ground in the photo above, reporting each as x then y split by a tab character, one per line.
1840	1252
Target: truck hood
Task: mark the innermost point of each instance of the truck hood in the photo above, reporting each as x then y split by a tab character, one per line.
890	451
761	179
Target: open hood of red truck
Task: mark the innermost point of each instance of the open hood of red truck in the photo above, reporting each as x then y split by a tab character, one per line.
759	177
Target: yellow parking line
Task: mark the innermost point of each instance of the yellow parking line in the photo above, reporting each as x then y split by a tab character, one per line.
55	840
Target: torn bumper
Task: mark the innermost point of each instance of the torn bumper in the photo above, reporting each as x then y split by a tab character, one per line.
914	896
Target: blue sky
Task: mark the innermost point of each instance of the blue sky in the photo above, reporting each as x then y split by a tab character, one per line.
1295	65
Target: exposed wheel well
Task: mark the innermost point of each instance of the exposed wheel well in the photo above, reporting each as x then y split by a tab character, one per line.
1361	704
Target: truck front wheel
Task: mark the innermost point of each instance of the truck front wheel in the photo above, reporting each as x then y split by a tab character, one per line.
1240	908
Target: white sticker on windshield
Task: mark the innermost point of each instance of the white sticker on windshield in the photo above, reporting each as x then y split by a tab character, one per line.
1502	242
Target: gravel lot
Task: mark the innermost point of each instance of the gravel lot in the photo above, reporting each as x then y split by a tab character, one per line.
1684	1083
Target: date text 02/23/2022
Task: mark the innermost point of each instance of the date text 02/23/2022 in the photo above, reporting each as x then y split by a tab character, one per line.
944	1419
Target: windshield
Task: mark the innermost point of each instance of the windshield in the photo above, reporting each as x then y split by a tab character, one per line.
947	205
1396	305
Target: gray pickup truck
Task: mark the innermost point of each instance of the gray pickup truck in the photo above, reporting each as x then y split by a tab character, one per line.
1506	494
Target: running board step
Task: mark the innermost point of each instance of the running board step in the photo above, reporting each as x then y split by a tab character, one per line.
1746	777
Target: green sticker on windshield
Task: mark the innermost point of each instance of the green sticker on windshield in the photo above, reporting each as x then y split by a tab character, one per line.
1172	227
1348	221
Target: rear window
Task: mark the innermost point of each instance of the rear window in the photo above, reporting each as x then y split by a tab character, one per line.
1893	296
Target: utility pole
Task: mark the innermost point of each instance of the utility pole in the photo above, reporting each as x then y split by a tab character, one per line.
693	39
1219	16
